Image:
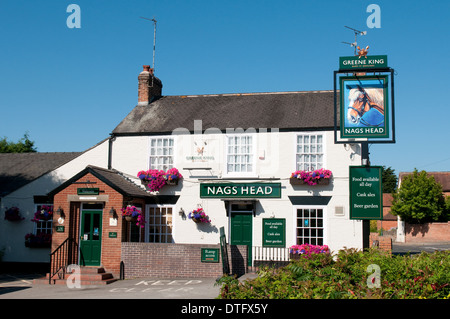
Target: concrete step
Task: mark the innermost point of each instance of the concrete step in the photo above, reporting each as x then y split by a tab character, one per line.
87	276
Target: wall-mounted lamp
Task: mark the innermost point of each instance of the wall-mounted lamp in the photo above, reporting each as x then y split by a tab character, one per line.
113	213
60	212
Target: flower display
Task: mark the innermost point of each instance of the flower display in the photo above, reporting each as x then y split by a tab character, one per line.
199	216
134	214
157	179
45	213
173	174
13	214
312	177
306	250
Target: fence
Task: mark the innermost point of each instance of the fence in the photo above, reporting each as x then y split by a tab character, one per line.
270	256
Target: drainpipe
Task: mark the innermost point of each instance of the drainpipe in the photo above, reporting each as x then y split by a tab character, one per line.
110	143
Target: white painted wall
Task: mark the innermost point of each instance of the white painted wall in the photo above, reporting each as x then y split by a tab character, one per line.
275	158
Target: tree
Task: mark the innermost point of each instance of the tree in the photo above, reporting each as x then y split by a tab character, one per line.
419	199
24	145
389	180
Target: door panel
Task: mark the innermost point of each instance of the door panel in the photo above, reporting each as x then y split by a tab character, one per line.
242	231
90	241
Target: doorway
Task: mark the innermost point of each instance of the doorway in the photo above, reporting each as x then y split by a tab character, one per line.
242	227
91	236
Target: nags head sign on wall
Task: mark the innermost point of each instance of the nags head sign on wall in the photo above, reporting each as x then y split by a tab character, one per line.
240	190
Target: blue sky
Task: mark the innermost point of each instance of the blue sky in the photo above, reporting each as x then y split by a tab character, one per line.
69	88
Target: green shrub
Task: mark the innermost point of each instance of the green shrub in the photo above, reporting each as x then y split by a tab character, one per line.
345	276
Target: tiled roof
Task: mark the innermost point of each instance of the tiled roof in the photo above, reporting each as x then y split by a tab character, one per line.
19	169
442	178
283	110
111	177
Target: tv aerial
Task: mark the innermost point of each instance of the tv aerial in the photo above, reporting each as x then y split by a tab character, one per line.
357	32
154	39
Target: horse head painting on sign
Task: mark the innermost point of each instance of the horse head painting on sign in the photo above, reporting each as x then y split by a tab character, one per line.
361	101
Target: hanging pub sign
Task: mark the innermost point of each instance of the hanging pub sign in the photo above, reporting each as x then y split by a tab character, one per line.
364	99
366	193
364	106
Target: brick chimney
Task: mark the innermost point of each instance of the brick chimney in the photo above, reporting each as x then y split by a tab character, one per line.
150	87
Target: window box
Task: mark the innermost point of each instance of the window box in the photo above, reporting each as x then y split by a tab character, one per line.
297	181
317	177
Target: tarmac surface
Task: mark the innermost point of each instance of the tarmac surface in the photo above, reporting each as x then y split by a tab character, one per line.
20	286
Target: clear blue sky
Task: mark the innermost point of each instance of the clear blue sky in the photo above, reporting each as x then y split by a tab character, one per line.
69	88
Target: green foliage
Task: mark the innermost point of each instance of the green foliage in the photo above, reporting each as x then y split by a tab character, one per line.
344	276
419	199
24	145
389	180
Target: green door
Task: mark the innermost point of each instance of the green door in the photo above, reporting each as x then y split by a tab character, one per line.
241	231
91	237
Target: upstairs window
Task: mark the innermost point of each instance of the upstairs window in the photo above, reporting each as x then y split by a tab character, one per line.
161	153
310	152
240	154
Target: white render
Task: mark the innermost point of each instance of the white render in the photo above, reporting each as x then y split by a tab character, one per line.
274	161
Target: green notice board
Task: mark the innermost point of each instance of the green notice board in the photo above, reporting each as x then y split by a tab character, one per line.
210	255
366	193
274	232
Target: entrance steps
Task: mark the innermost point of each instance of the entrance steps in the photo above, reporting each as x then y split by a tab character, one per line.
87	276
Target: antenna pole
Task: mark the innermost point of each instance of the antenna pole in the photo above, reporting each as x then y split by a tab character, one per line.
154	39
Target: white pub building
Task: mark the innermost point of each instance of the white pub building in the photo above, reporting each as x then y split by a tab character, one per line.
261	167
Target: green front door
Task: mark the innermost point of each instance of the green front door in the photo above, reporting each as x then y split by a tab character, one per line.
91	237
242	231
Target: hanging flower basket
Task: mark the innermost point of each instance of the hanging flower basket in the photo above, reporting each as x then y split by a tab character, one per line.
12	214
317	177
133	214
44	214
199	216
172	176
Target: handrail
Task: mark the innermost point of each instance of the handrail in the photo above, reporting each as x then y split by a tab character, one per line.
63	256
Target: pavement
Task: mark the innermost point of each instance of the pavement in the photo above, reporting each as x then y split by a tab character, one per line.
20	286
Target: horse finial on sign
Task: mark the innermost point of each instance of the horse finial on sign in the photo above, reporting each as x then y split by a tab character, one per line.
362	52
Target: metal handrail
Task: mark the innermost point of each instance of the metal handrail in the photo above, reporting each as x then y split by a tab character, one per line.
63	256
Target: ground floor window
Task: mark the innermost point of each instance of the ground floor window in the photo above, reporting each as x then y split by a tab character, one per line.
158	228
43	218
310	225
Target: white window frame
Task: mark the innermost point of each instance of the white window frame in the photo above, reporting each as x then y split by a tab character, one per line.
147	224
253	153
164	167
48	223
324	220
324	150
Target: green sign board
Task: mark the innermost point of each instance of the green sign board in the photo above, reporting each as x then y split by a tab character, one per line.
88	191
112	234
366	192
240	190
360	63
210	255
274	232
59	229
